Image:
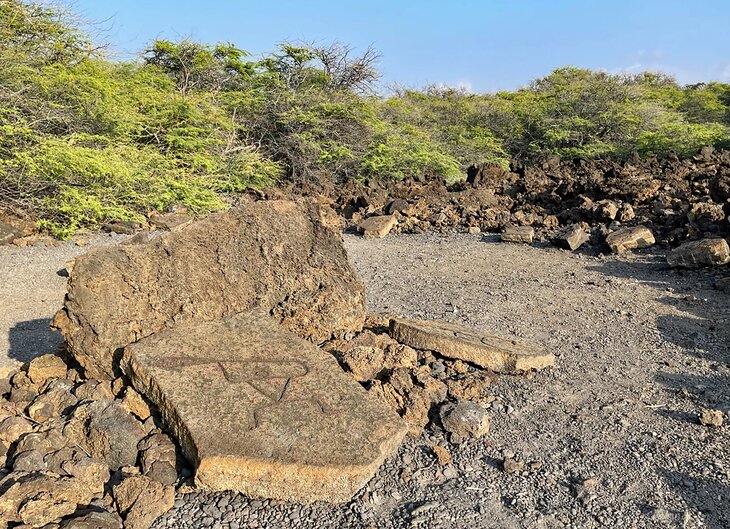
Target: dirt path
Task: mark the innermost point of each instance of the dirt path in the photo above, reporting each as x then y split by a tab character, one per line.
609	438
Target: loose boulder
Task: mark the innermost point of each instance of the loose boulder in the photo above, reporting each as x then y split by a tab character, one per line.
378	226
501	355
523	234
258	410
626	239
276	255
571	238
696	254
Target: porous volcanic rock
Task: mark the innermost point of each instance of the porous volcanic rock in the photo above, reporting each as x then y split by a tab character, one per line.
523	234
277	255
259	410
464	343
378	226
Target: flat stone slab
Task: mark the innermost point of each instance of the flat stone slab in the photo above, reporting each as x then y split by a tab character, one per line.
464	343
261	411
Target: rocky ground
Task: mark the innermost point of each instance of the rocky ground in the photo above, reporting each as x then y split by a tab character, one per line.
610	437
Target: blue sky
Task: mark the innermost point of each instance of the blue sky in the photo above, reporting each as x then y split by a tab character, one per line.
485	46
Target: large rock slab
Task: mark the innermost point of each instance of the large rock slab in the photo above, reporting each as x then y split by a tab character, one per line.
464	343
261	411
277	255
696	254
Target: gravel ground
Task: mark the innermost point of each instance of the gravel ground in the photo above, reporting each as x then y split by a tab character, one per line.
31	291
609	438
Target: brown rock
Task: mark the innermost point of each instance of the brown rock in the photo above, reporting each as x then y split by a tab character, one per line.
93	520
695	254
511	465
442	455
473	387
55	400
276	255
11	428
142	500
38	498
364	362
377	226
45	367
464	419
94	390
104	430
630	239
521	234
170	221
158	458
463	343
711	418
261	411
572	238
8	234
135	404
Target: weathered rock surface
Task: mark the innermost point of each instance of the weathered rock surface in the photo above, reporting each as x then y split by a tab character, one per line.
8	233
696	254
464	419
105	431
142	500
378	226
629	239
464	343
259	410
523	234
572	238
277	255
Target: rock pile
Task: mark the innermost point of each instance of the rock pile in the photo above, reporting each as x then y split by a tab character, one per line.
676	199
75	456
420	367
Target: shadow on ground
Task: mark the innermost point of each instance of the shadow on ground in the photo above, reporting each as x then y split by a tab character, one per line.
32	338
702	328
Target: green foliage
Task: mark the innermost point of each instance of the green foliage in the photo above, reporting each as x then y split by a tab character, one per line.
85	140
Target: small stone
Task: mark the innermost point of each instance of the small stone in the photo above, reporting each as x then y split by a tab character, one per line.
397	205
464	419
158	458
511	465
696	254
93	520
572	238
94	390
135	404
474	230
630	239
364	362
377	226
11	428
520	234
442	455
45	367
713	418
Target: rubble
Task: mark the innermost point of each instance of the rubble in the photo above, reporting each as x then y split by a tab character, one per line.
572	237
